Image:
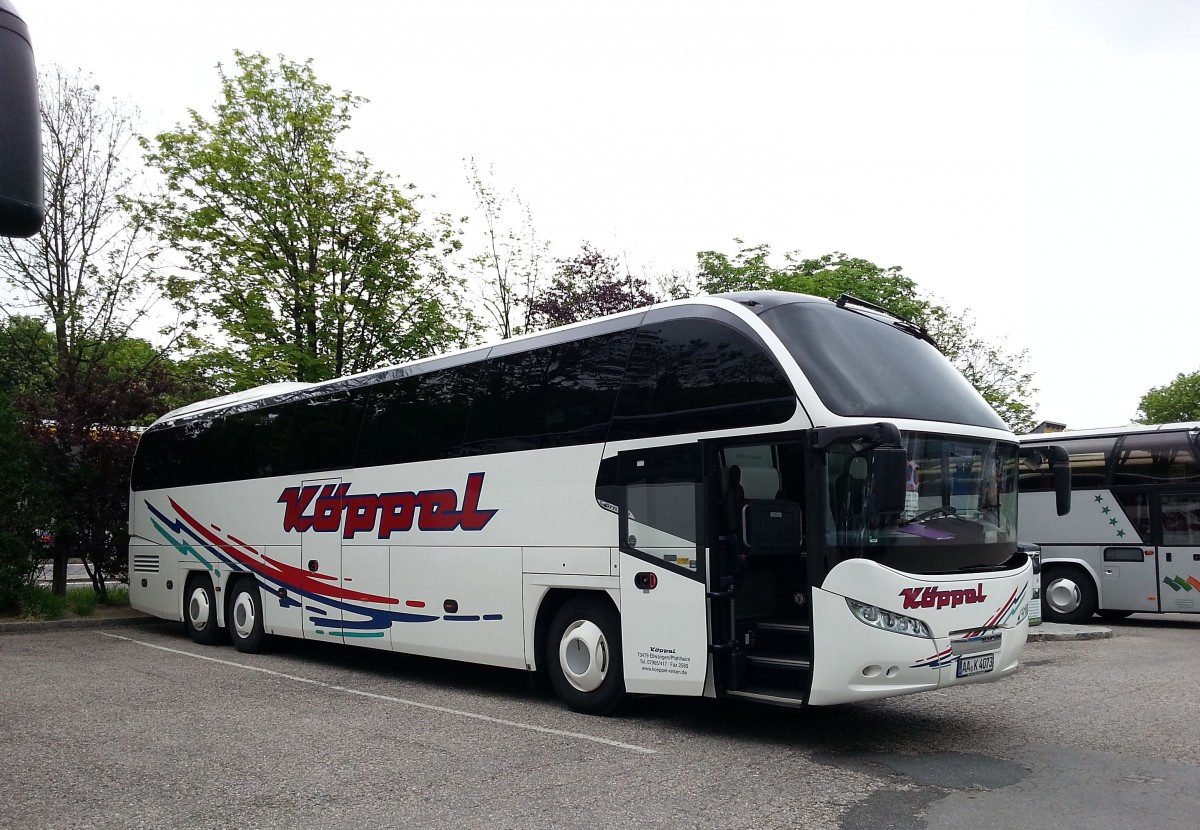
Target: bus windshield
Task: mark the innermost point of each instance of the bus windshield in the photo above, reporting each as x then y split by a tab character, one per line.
904	377
960	505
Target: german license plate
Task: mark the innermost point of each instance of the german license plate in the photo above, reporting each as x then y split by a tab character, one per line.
982	664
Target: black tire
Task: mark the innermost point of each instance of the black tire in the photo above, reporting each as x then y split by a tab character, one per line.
1068	594
245	618
200	610
583	656
1113	614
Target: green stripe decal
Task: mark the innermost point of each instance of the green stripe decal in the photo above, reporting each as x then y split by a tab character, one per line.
367	634
180	545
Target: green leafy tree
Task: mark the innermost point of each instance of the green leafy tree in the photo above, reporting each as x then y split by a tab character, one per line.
826	276
1173	402
75	383
999	375
310	263
66	458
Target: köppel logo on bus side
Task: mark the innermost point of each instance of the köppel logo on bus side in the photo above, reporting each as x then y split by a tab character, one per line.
391	512
931	597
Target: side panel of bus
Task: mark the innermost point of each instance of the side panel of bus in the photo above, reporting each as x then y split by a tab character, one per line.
1132	540
1107	544
1098	542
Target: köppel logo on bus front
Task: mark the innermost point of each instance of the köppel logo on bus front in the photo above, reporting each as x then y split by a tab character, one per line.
390	512
931	597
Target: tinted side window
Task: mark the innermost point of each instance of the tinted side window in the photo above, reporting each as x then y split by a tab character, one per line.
417	418
1035	479
1137	509
323	434
178	456
1089	461
1089	464
253	442
697	374
559	395
1156	458
1181	519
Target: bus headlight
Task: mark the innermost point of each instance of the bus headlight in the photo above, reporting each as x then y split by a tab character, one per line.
888	621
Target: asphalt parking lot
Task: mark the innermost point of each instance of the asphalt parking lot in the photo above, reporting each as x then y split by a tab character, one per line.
135	726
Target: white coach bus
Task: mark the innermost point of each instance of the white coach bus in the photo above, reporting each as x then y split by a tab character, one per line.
1132	543
763	495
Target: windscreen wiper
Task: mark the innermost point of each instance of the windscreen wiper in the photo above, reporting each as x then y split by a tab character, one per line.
918	331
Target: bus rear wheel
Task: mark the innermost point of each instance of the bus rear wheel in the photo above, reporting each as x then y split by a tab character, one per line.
583	655
1068	595
200	610
246	618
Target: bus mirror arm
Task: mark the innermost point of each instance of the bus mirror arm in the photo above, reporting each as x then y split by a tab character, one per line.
1060	464
1060	467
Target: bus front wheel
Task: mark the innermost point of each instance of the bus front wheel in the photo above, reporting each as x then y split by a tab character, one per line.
200	611
1068	595
583	653
246	618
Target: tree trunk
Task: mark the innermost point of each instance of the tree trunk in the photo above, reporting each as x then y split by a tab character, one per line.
61	553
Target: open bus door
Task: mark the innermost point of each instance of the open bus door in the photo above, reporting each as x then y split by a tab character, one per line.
664	623
761	617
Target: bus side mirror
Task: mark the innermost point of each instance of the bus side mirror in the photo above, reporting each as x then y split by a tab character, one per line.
1060	465
21	200
888	477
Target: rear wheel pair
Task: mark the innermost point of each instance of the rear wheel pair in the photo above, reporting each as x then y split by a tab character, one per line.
245	617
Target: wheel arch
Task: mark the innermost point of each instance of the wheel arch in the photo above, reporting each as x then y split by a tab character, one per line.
1076	563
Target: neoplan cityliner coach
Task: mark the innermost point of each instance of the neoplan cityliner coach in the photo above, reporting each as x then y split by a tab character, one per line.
1133	543
763	495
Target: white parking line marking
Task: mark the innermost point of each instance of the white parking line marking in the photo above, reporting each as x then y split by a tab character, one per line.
402	701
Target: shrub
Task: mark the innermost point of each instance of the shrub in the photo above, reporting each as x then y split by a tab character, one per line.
117	597
19	561
39	603
82	601
25	508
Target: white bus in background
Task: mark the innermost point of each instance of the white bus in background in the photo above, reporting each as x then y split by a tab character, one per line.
1132	542
763	495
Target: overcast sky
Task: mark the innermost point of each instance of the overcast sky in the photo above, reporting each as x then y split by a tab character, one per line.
1037	163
